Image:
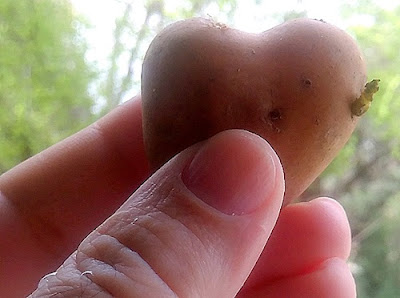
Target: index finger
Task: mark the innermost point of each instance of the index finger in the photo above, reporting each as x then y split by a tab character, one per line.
65	191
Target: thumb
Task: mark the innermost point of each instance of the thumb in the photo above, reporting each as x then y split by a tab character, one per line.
194	229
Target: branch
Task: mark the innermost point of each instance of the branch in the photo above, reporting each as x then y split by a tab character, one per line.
111	77
128	77
155	7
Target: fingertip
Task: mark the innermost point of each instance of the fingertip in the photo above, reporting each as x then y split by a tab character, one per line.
332	216
195	214
331	279
334	276
305	234
330	203
236	172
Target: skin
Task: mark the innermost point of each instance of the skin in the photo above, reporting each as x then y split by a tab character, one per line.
50	202
293	85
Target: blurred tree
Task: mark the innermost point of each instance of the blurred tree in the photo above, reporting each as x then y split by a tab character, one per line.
44	77
132	36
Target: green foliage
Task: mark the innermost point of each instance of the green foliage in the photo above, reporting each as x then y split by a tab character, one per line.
376	280
341	164
44	77
373	203
294	14
379	255
380	42
191	8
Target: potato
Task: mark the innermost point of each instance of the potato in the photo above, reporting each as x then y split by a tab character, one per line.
294	85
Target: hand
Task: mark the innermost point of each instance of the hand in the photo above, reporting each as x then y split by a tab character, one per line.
195	228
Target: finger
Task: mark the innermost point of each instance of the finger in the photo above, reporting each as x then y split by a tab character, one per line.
51	201
194	229
306	235
331	279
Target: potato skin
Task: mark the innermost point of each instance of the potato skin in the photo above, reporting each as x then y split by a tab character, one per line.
293	85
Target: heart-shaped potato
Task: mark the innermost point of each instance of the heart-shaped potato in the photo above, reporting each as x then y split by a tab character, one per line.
293	85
